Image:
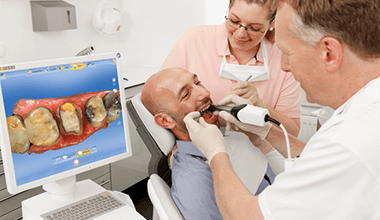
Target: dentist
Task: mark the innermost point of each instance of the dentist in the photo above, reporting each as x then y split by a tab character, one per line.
332	48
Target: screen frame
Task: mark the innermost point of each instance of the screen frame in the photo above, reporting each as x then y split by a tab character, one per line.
7	158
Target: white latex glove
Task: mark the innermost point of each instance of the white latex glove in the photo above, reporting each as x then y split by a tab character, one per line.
236	100
248	91
206	137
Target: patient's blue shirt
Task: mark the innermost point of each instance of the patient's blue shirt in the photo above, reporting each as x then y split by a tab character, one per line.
193	189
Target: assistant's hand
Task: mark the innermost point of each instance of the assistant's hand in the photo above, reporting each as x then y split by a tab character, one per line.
236	100
206	137
248	91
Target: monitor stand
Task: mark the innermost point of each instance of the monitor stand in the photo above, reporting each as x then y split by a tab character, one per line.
67	191
63	190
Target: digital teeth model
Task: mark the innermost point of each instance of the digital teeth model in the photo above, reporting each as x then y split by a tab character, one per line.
41	127
53	123
112	104
95	111
70	118
18	135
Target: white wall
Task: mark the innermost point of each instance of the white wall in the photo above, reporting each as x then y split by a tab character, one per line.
215	10
149	30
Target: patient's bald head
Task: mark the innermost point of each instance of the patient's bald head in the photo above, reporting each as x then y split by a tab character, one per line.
154	87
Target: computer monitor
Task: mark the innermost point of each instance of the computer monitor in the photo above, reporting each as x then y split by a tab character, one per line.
59	118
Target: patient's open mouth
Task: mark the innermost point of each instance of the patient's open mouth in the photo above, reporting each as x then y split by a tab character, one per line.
207	114
202	111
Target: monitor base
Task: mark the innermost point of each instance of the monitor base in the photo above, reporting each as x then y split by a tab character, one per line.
62	190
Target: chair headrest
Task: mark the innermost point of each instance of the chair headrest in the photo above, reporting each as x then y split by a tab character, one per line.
163	137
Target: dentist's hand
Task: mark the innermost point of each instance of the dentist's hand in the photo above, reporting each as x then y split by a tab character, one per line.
236	100
206	137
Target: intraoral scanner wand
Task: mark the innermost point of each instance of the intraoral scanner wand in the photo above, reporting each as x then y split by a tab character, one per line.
253	115
248	114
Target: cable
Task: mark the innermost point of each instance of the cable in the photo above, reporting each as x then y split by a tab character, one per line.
289	160
268	118
87	51
287	141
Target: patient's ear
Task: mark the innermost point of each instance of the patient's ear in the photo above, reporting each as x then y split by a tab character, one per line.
164	120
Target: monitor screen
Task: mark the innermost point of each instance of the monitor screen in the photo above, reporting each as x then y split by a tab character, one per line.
61	117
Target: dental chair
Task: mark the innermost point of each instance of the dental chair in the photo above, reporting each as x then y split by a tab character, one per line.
160	143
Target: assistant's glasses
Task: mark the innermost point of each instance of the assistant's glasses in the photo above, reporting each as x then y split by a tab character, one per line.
235	24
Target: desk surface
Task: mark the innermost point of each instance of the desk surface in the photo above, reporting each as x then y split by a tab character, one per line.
137	75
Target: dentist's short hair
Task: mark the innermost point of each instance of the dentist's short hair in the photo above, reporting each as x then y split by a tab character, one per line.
356	23
309	35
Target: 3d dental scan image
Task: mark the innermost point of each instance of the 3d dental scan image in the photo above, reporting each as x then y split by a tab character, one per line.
53	123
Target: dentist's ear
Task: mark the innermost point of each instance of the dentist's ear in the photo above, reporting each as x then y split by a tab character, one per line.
332	53
164	120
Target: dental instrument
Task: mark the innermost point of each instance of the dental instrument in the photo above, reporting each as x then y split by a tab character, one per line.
253	115
250	76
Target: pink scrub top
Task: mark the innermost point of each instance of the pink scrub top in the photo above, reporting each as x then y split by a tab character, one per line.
200	50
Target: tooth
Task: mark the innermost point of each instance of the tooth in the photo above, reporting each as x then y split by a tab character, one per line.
18	135
95	111
205	109
41	127
69	116
112	104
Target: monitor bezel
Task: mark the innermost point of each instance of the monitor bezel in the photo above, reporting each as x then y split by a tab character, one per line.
7	158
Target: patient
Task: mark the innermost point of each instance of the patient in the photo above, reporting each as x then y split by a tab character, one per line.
170	95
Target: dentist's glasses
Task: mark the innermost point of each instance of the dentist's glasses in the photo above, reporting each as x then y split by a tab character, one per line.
235	24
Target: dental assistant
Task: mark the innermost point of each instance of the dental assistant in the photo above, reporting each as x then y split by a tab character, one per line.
224	55
337	173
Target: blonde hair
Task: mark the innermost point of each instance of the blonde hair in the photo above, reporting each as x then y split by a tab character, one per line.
272	7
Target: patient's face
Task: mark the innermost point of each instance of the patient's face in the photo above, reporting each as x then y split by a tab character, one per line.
182	93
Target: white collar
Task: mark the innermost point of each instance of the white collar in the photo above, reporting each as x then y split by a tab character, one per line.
367	95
